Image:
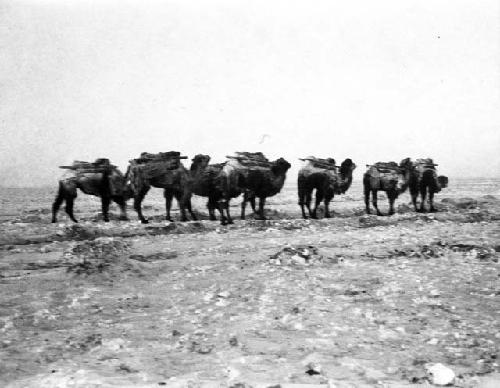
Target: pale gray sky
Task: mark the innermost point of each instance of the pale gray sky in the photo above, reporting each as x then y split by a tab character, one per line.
370	80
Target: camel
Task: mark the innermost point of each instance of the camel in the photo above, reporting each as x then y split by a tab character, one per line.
208	180
322	175
388	177
163	170
106	182
262	182
424	179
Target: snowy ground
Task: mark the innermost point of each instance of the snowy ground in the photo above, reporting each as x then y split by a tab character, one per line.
353	301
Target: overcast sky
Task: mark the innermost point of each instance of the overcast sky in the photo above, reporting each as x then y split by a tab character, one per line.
370	80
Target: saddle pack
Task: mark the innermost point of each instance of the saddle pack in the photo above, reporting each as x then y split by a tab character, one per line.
149	165
250	160
100	165
324	164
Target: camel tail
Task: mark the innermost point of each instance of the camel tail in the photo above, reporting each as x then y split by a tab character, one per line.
60	192
60	197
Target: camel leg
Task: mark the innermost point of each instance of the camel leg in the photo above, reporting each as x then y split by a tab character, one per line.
137	204
244	205
252	204
56	205
182	206
120	201
302	202
69	208
414	200
374	202
308	203
392	198
431	201
423	193
221	205
228	214
367	200
304	216
168	205
262	202
327	208
190	210
105	201
211	205
319	198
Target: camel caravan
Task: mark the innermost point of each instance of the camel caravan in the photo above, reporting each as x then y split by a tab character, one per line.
249	174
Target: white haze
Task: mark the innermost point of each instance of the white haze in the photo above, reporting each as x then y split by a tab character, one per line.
369	80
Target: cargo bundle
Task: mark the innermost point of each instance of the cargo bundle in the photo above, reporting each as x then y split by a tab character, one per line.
149	165
251	160
100	165
325	164
425	164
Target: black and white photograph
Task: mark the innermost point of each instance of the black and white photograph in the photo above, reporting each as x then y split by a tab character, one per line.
249	193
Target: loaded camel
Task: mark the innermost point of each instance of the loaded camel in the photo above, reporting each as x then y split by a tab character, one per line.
423	180
257	177
388	177
326	178
209	180
163	170
100	179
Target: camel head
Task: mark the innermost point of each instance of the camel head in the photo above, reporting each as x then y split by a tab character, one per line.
200	161
403	177
406	164
120	184
280	166
346	169
442	181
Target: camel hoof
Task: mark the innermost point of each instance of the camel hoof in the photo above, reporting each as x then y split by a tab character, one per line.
230	222
144	221
433	210
213	219
106	220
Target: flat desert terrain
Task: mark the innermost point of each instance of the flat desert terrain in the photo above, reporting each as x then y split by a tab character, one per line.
352	301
